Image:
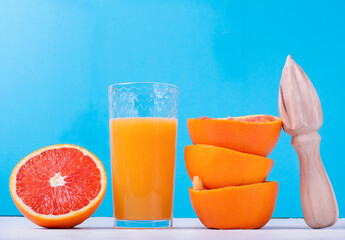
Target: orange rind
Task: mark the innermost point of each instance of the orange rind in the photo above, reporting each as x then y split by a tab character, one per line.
220	167
254	134
239	207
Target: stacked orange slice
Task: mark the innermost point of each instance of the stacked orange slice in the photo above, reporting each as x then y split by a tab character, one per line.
228	167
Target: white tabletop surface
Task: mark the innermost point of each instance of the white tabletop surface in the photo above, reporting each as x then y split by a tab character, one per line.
101	228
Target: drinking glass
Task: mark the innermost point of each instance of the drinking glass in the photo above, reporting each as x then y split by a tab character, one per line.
143	128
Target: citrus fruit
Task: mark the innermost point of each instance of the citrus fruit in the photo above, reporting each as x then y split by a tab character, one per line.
239	207
58	186
255	134
221	167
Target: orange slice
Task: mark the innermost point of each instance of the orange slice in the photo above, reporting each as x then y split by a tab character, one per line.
255	134
58	186
220	167
241	207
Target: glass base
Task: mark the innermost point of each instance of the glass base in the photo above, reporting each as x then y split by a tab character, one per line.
143	223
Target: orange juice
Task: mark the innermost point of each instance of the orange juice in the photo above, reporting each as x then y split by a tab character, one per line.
143	167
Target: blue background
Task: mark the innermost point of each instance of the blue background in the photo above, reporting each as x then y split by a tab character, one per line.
57	59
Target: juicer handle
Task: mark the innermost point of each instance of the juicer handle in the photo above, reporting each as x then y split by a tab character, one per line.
319	204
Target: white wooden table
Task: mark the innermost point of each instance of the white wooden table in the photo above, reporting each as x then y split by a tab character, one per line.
184	228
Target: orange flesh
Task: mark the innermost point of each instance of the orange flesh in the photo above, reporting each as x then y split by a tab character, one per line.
81	181
259	118
143	166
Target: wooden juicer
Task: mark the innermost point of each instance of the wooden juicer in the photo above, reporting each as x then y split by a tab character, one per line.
300	110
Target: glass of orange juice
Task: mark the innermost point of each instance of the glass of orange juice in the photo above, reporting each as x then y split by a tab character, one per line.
143	128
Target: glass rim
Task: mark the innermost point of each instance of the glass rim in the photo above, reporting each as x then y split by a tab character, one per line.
144	83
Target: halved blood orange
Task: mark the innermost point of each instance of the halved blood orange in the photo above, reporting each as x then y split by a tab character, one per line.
58	186
255	134
221	167
239	207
